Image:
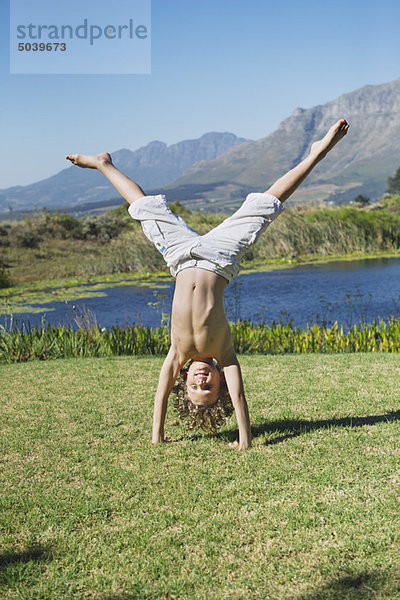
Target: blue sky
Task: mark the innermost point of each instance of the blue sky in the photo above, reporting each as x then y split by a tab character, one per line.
217	65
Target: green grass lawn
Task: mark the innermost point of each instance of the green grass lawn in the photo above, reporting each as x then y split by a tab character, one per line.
90	509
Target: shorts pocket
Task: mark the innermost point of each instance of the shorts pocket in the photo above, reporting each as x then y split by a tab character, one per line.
153	233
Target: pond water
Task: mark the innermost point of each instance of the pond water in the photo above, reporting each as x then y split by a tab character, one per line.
343	291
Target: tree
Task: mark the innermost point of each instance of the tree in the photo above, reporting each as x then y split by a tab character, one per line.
362	200
394	183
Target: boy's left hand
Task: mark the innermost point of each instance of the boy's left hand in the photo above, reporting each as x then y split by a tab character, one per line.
240	445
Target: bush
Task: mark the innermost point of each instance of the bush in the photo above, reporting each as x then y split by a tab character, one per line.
70	226
26	238
5	280
103	228
4	240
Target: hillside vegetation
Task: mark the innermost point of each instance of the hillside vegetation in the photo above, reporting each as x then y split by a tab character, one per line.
47	246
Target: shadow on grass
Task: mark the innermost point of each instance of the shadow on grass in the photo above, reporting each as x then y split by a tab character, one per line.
36	553
134	595
347	587
350	587
293	428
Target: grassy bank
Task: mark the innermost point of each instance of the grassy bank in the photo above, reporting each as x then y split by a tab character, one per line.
46	247
90	509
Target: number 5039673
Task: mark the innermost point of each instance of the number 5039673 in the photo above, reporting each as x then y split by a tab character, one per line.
42	47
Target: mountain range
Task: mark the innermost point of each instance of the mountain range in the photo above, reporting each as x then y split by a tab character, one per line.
216	171
360	164
153	165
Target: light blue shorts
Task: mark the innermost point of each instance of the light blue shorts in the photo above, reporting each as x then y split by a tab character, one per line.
219	250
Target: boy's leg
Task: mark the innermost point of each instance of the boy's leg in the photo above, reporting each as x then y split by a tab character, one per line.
286	185
128	189
226	243
168	232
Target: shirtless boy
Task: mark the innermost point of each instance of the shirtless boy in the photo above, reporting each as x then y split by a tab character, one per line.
203	265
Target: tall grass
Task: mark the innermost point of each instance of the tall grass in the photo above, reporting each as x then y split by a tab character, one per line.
48	342
379	336
304	232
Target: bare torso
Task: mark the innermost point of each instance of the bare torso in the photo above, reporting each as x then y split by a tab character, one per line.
199	328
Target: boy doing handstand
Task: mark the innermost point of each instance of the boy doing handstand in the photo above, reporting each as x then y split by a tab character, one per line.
203	265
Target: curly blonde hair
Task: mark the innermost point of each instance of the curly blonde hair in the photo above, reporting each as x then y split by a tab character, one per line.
209	418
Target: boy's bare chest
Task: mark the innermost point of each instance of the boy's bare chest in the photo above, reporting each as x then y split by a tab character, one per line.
199	328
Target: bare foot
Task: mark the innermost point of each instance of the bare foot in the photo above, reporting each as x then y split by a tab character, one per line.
334	135
90	162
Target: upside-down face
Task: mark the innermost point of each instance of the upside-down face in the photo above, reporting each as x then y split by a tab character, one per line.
202	382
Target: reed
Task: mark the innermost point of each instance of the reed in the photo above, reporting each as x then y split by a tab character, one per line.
24	343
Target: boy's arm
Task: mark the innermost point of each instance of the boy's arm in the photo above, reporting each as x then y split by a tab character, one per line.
169	373
234	381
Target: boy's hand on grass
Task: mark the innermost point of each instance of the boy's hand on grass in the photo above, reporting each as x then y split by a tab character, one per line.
159	440
164	439
240	445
